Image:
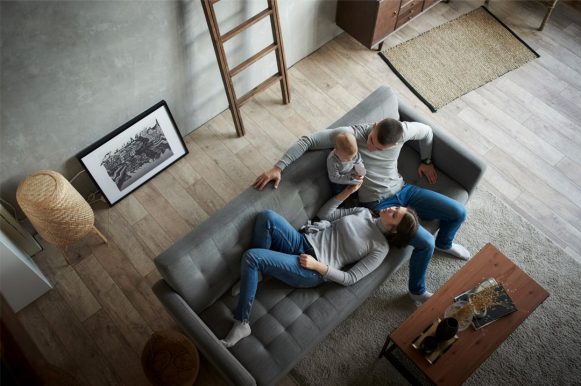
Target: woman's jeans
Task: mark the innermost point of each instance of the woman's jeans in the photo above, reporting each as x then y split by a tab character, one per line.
276	249
429	205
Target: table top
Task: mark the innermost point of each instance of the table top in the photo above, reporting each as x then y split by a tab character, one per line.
474	346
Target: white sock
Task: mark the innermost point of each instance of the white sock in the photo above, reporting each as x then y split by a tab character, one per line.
420	299
456	250
240	330
236	287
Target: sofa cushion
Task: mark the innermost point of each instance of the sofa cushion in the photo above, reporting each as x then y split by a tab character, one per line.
287	321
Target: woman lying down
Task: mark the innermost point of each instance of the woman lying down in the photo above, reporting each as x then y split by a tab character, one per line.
305	260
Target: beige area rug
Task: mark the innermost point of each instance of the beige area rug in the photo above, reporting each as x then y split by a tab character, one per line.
457	57
543	350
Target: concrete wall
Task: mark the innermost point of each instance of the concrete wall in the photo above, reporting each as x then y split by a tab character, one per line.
72	71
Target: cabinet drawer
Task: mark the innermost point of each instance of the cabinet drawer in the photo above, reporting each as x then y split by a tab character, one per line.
386	19
408	12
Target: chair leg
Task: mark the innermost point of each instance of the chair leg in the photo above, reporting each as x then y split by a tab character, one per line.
548	15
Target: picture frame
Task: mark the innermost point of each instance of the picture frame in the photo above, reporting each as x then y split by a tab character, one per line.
134	153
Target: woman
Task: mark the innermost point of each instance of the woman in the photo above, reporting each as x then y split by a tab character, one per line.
307	260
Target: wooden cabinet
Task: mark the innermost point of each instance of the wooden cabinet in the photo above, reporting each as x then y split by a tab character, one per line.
371	21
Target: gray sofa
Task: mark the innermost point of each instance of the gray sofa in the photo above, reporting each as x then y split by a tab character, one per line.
199	270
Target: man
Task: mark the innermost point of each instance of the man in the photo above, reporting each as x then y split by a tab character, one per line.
380	144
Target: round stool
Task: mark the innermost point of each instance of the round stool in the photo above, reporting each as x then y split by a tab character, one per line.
170	358
56	210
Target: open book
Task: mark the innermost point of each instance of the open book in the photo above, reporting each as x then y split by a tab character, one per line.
502	304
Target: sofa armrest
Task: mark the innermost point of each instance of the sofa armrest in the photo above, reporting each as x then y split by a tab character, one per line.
449	155
202	336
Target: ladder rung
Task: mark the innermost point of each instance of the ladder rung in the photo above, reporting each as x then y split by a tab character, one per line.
236	70
267	83
253	20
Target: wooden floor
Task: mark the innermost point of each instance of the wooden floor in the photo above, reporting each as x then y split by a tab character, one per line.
525	124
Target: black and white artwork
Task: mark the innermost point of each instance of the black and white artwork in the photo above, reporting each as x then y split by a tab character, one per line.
134	153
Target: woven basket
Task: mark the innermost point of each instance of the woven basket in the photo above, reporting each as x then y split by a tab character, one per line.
56	210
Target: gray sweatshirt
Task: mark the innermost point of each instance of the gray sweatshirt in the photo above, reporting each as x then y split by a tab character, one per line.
343	172
382	179
354	236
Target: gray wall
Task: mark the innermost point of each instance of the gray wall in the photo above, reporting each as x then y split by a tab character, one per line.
72	71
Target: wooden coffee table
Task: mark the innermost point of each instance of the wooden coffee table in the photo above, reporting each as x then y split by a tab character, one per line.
474	346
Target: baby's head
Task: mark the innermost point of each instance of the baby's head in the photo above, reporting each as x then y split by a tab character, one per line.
345	147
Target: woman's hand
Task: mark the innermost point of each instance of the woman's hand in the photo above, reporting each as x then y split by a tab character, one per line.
353	188
349	190
309	262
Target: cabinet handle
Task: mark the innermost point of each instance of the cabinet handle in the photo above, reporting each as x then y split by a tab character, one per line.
394	13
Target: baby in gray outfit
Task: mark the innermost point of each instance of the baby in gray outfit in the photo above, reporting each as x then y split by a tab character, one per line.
344	163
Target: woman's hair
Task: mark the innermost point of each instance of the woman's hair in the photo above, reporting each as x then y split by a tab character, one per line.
405	231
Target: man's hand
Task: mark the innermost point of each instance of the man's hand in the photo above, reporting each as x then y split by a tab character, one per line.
309	262
429	171
262	180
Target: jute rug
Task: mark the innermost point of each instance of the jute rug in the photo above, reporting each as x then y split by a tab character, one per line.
544	350
457	57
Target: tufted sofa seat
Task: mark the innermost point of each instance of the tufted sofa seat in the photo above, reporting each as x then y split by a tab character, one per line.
199	270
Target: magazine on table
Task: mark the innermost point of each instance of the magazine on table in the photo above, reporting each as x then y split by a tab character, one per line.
503	304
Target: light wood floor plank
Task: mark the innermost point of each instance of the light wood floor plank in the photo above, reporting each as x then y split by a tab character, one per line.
76	294
571	169
162	211
124	362
134	286
209	199
131	209
533	160
530	183
62	320
116	228
47	341
180	200
560	229
511	131
211	172
122	312
184	172
152	235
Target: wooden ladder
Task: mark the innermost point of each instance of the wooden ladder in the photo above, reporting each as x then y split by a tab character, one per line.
218	41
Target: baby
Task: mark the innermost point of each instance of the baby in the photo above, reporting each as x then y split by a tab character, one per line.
344	163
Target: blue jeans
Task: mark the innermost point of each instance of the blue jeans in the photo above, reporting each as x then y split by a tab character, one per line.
277	246
429	205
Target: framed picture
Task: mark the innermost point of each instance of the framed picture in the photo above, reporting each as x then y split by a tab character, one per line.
134	153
